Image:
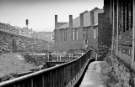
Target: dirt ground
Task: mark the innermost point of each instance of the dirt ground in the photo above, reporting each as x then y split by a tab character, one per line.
13	63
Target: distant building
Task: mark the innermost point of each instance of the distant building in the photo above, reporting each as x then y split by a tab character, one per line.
25	32
4	27
79	33
47	36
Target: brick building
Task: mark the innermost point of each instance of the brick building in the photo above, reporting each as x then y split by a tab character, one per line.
27	32
78	33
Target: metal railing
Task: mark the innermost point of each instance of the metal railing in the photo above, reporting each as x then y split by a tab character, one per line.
57	76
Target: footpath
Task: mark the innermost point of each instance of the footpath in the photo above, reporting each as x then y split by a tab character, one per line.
96	75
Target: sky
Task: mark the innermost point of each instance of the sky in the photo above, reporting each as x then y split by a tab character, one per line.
41	12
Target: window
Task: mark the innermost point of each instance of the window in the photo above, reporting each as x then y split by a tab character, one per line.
86	42
84	35
73	35
94	32
65	35
76	35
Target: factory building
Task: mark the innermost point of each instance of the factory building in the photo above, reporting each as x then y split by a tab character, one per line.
78	33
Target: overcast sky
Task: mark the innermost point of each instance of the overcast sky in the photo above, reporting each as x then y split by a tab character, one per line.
41	12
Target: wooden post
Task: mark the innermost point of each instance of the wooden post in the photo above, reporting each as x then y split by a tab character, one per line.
133	35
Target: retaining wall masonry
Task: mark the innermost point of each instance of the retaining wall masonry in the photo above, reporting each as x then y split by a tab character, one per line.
17	43
121	75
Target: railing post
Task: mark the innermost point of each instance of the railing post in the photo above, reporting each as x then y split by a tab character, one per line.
31	83
43	81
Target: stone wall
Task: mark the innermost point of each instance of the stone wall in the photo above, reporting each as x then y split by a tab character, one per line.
16	43
121	75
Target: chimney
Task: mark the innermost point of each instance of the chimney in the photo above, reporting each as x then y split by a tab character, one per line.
70	21
81	20
92	17
56	21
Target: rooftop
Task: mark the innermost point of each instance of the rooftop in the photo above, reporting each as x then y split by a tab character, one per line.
86	18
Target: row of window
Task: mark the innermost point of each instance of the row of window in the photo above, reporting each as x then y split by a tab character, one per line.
75	34
65	35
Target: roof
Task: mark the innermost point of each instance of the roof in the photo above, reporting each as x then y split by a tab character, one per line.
64	26
76	21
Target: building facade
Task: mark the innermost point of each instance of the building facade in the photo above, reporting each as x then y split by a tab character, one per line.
78	33
27	32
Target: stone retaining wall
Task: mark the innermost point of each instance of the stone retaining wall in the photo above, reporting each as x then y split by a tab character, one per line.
16	43
121	75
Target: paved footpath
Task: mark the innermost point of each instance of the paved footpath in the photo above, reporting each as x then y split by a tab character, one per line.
96	75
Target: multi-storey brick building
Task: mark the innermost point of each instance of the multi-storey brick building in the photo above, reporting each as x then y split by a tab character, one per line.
79	33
